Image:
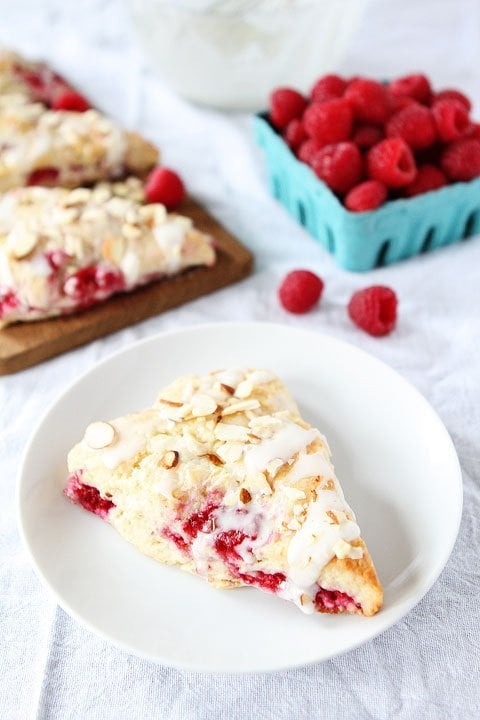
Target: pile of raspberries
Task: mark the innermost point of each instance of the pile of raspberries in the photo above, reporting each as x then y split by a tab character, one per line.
371	142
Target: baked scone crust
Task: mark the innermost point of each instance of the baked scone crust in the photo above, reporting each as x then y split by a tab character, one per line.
225	479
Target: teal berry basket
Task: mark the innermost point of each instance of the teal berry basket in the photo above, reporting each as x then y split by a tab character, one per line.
397	230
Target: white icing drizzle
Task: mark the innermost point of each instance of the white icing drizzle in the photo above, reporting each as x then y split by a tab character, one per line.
170	238
311	466
289	439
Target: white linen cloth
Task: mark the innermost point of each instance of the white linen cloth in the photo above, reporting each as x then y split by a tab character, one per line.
427	666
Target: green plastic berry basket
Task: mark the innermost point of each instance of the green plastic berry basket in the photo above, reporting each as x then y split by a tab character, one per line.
397	230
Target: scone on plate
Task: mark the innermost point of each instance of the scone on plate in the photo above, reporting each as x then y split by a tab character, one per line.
49	135
65	250
223	478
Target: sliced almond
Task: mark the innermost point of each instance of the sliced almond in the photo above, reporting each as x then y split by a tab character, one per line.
225	431
113	248
241	406
230	451
99	435
170	403
25	242
213	458
294	525
332	517
274	466
245	496
253	439
170	459
304	599
244	389
203	404
228	388
293	493
131	231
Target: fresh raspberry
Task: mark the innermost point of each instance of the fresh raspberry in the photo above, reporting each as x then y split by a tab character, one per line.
328	122
398	102
415	124
451	118
461	160
475	131
414	86
307	151
374	310
328	87
300	290
339	166
451	94
365	135
391	161
70	100
295	134
429	177
369	100
285	105
366	196
164	186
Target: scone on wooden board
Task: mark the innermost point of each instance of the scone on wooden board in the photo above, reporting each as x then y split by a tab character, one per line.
223	478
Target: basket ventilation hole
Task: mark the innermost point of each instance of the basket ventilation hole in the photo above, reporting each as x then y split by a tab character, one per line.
470	224
382	254
330	240
427	242
302	215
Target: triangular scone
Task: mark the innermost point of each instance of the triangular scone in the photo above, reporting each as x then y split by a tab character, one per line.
65	250
223	478
55	147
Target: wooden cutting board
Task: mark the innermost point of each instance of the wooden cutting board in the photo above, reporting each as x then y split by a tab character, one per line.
27	344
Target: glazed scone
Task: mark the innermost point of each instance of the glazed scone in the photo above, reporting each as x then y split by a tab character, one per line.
223	478
35	81
65	250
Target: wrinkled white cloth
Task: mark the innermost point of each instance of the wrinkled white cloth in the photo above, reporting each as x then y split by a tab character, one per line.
427	666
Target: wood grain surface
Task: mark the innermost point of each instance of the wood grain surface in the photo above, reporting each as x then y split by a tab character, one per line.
26	344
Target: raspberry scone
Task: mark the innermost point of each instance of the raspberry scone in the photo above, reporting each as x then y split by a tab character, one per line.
65	250
37	82
225	479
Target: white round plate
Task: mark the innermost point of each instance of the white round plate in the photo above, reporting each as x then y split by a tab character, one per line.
392	454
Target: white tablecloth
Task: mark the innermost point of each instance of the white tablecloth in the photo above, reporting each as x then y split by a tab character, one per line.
427	666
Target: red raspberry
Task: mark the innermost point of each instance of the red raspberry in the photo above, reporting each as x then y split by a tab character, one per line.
476	131
328	87
328	122
369	100
374	310
366	196
164	186
308	150
398	102
339	166
461	160
429	177
285	105
391	161
300	290
367	135
451	118
451	94
415	125
295	134
414	86
70	100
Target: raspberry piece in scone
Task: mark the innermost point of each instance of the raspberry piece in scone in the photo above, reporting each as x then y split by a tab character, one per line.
223	478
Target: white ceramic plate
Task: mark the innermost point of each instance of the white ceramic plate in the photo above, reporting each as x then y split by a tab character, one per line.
394	458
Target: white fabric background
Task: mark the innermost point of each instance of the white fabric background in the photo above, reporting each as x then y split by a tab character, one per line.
427	666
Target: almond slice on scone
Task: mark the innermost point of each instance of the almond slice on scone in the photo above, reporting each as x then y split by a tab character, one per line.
246	496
